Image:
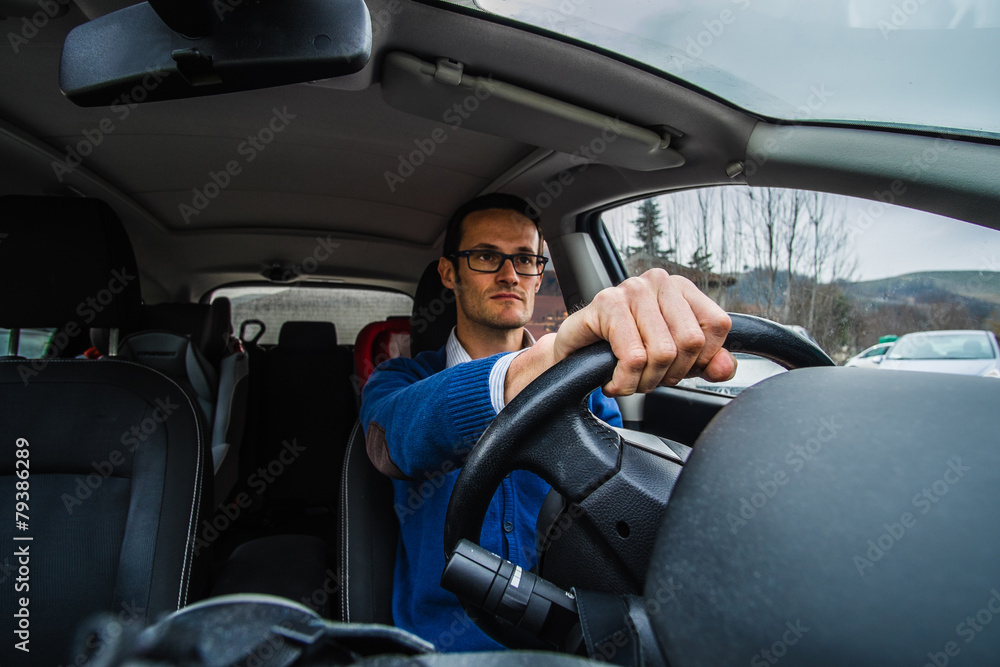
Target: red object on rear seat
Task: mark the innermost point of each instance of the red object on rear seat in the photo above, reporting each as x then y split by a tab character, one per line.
378	342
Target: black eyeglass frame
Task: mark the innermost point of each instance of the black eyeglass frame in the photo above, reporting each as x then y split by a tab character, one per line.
541	259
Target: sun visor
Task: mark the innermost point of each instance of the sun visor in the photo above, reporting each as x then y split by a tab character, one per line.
444	92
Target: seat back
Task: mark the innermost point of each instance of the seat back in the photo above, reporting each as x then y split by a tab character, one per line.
369	528
193	345
368	535
177	357
116	461
309	408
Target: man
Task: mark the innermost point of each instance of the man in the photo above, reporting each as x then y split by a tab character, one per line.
422	416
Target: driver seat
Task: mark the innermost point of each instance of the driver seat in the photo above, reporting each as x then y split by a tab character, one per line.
369	529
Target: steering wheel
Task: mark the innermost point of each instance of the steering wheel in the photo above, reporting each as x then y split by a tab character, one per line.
548	430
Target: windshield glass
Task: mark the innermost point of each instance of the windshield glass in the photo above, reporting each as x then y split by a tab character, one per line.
925	63
968	345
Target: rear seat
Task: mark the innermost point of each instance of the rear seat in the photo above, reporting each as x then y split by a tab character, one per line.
308	409
301	412
193	344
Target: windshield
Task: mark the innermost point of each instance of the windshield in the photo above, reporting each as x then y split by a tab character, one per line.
926	63
968	345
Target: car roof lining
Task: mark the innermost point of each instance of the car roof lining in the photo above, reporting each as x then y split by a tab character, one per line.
329	167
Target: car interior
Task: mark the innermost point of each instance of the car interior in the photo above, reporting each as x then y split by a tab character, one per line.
177	457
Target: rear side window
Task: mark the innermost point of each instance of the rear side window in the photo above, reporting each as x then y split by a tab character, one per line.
550	308
350	309
32	344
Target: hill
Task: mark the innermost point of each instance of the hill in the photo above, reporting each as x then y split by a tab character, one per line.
930	286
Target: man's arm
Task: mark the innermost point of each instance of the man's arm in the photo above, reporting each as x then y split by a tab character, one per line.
662	328
420	419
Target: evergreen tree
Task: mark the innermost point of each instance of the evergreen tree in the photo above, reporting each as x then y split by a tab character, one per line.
702	260
648	229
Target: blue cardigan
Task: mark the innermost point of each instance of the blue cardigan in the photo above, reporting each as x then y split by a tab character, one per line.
421	420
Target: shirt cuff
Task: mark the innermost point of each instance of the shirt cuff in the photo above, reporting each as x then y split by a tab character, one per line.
498	377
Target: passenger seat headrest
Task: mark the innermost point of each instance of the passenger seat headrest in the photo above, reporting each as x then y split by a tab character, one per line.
65	260
308	336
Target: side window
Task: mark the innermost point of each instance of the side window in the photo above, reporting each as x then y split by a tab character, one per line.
841	271
32	344
550	309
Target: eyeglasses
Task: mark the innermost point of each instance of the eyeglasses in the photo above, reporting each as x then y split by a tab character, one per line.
491	261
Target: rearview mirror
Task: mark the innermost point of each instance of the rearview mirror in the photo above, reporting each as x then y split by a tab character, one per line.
131	55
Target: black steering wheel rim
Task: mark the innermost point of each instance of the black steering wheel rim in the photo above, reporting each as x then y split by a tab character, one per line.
555	400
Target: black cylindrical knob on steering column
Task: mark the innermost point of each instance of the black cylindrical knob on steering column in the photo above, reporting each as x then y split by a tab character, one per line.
483	580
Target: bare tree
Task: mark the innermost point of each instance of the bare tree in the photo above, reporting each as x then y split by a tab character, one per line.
618	222
795	202
766	211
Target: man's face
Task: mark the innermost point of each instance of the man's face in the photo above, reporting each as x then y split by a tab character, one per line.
502	300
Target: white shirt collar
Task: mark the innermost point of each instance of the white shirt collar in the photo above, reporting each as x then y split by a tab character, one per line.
456	354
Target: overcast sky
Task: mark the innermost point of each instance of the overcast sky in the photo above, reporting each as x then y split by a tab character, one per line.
906	241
